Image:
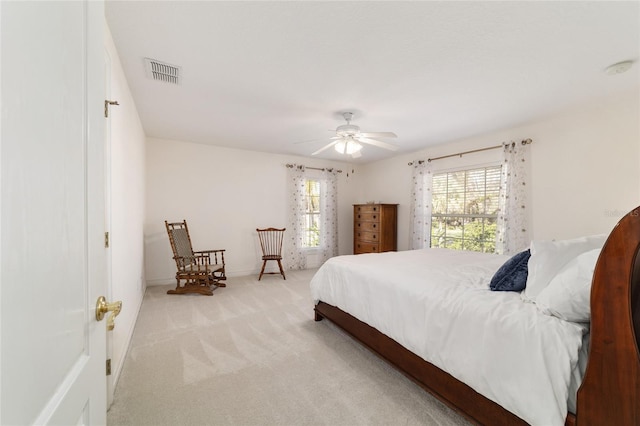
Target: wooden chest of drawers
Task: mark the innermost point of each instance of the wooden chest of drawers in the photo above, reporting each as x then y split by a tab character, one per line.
374	228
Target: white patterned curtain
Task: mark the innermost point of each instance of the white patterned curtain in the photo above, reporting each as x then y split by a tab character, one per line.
420	226
512	234
294	241
328	214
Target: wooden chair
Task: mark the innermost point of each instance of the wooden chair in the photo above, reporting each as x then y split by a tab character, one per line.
271	243
199	269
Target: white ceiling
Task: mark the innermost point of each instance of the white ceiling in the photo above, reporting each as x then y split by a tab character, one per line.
266	76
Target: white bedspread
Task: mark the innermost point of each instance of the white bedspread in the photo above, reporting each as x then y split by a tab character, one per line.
437	304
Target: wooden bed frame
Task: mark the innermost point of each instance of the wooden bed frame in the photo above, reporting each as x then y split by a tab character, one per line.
610	390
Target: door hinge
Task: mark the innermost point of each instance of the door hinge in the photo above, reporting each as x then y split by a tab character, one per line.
106	106
109	367
106	240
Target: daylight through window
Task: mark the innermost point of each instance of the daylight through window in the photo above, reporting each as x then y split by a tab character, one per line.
312	214
465	209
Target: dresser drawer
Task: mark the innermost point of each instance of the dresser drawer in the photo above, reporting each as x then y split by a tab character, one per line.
367	217
367	236
367	209
364	247
366	226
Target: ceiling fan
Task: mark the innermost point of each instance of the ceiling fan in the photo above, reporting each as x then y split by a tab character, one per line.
349	139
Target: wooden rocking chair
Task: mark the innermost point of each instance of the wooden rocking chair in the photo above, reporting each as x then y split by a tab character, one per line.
271	243
200	269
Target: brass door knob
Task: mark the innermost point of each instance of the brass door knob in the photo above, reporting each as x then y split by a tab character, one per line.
102	307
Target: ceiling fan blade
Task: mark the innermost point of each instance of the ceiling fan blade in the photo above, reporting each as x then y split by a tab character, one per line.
378	143
378	134
325	147
356	154
335	137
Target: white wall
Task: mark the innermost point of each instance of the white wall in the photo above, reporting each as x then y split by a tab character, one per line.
601	143
584	169
126	215
225	194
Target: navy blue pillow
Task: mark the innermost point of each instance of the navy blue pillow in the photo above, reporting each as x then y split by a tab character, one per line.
512	276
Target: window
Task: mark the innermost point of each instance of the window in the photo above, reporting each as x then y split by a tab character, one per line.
312	213
465	209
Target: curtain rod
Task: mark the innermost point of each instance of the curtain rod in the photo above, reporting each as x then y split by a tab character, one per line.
291	166
524	142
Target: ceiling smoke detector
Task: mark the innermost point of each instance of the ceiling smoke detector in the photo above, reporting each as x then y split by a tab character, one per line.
618	68
161	71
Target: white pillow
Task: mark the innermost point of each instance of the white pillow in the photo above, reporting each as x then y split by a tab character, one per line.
568	295
549	257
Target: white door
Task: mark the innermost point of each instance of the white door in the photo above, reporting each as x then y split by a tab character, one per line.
107	214
52	267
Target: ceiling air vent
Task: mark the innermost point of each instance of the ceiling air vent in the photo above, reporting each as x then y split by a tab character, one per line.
161	71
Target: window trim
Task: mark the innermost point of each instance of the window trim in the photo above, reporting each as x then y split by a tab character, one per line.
467	167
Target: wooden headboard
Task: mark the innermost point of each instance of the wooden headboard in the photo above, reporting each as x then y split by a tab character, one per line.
635	298
610	391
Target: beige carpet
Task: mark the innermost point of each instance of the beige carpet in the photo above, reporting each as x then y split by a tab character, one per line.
251	354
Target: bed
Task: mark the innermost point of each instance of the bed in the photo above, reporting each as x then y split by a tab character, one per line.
493	356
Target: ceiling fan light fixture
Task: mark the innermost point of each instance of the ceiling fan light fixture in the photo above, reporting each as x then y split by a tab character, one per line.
347	147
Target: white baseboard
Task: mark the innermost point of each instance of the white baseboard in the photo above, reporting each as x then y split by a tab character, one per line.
231	274
126	347
161	281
